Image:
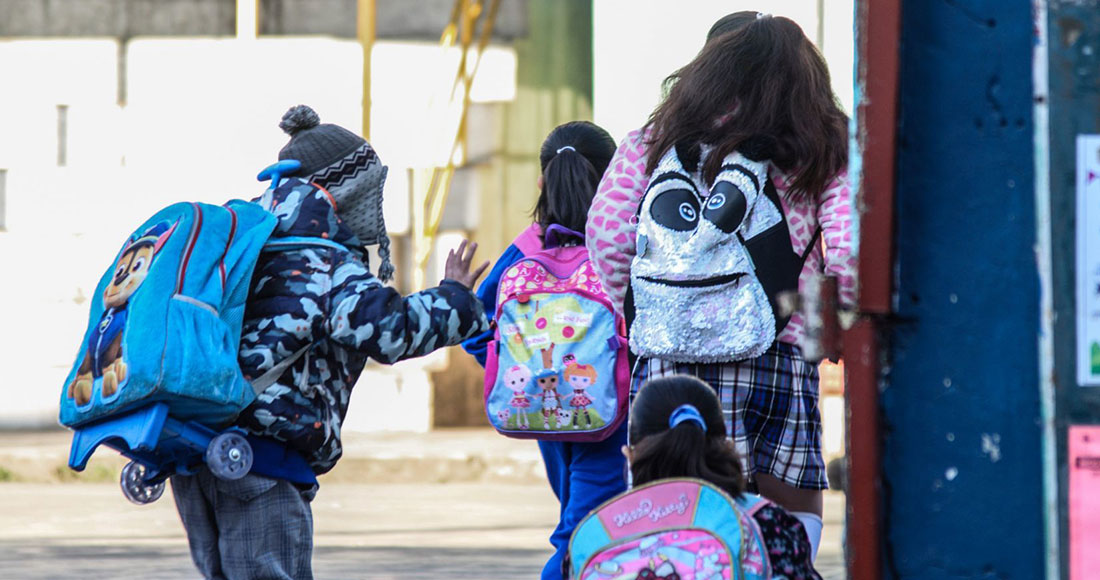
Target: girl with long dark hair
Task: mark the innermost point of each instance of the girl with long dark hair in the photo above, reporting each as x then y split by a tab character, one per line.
758	88
582	475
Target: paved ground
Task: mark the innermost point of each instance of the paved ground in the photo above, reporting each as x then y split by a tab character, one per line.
362	531
479	508
410	531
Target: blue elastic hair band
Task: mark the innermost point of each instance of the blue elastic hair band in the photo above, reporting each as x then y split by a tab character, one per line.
686	413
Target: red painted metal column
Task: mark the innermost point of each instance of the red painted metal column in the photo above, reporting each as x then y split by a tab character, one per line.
878	35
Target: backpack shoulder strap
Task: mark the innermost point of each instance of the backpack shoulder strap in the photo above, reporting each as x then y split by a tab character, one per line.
753	503
528	241
298	242
267	379
773	195
810	246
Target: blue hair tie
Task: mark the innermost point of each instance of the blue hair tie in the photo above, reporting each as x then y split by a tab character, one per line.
686	413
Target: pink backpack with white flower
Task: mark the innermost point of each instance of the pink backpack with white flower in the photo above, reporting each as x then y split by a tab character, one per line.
557	367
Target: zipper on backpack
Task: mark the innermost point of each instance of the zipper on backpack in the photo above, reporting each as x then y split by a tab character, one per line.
192	240
228	243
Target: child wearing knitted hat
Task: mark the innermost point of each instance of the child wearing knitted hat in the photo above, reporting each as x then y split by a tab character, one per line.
317	310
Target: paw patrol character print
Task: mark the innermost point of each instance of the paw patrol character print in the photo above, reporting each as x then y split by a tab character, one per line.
580	377
515	380
103	358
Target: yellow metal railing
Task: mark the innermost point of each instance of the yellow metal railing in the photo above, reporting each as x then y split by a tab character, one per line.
430	187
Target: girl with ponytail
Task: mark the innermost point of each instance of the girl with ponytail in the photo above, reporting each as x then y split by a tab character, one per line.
583	475
677	430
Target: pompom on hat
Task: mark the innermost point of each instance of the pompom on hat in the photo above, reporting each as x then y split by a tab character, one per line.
348	167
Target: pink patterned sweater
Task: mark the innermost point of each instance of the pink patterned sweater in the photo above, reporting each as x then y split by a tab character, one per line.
611	232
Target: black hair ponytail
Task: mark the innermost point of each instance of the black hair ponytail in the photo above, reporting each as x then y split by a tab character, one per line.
573	159
686	450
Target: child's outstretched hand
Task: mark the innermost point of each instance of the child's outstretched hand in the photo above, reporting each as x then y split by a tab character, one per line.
458	265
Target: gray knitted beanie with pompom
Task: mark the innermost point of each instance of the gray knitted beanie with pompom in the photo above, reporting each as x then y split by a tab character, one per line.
348	168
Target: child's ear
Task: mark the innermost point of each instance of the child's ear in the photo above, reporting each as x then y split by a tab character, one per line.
628	453
540	182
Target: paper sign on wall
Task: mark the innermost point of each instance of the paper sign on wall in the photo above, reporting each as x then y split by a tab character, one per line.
1084	502
1088	260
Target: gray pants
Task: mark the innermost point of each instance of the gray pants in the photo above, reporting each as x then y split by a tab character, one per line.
254	528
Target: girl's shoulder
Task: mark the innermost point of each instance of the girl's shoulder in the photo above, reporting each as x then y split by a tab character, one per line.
635	146
637	138
529	241
837	191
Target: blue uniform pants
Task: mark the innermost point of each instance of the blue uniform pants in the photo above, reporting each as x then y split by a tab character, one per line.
583	476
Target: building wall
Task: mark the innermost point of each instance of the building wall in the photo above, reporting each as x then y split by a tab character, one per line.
118	18
80	171
553	86
396	19
962	477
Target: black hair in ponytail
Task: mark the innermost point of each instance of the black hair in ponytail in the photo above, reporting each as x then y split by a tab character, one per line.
573	159
685	450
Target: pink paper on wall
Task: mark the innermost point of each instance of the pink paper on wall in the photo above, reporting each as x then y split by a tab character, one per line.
1084	502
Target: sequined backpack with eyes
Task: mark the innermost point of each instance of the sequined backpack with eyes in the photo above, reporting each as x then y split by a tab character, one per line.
712	260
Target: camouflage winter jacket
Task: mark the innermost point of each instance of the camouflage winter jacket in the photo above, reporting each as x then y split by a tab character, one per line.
328	298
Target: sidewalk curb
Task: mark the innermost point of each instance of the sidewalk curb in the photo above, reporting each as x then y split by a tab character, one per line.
460	455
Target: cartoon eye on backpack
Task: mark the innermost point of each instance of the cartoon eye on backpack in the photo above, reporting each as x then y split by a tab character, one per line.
709	268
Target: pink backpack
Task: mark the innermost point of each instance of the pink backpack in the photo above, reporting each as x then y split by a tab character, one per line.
557	367
673	528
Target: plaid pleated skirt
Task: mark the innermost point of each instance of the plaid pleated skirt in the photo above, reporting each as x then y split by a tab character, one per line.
770	405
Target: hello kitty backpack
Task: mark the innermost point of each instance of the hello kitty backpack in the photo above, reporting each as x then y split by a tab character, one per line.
673	528
557	366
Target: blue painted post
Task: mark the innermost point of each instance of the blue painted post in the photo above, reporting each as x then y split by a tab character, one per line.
962	471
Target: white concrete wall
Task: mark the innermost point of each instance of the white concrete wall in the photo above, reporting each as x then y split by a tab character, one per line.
201	119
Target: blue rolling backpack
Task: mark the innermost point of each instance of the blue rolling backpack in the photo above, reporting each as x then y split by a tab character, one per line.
156	376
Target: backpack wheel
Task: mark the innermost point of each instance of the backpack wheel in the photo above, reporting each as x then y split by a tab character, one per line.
134	487
229	456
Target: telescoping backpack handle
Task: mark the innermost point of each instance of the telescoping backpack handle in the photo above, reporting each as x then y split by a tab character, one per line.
276	171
